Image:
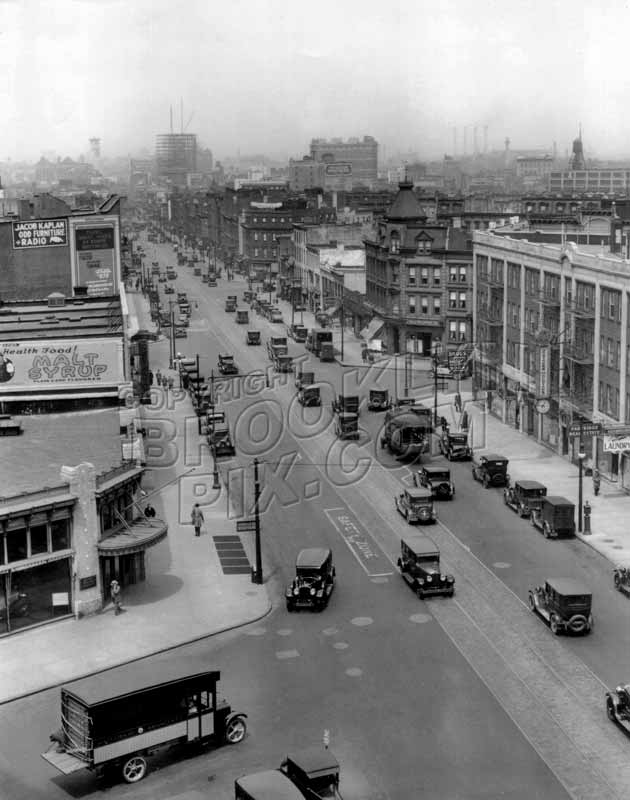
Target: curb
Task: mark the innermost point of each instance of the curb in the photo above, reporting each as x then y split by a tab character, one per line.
140	658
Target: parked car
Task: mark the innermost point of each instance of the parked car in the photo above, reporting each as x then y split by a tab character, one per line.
227	365
220	439
438	480
253	337
314	579
455	446
621	579
379	400
297	332
116	719
230	305
555	516
346	403
169	289
162	278
283	363
564	603
304	379
524	496
491	470
309	396
618	706
405	435
242	316
416	505
314	770
274	342
275	315
419	565
347	425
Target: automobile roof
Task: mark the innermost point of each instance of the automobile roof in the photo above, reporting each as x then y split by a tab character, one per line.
420	544
312	557
419	492
140	676
224	356
530	485
313	760
253	331
556	500
269	785
568	586
348	397
347	415
379	389
435	469
457	436
406	420
494	457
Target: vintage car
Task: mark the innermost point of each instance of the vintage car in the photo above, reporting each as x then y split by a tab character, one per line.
275	315
524	496
379	400
621	578
309	396
253	337
491	470
171	274
347	425
304	379
438	479
282	362
162	277
247	296
565	604
270	784
212	279
419	565
326	351
220	440
182	297
300	307
242	316
346	403
181	331
314	579
405	435
169	289
230	305
277	344
618	706
116	719
314	770
297	332
416	505
455	446
226	365
268	286
555	516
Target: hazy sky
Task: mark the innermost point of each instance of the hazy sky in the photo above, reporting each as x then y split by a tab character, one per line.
268	75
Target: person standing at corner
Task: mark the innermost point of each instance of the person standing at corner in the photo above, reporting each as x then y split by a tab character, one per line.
458	403
196	516
596	481
116	596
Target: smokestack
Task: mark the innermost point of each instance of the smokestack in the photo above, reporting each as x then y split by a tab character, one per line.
485	139
475	146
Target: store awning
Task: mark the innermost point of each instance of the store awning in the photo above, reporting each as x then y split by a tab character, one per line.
140	534
372	330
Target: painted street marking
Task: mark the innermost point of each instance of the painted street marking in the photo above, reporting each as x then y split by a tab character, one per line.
360	543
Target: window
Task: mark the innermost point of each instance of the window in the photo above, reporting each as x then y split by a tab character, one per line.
39	539
255	252
424	303
264	252
610	353
452	331
411	277
60	534
424	276
255	236
463	274
462	331
437	276
264	237
618	356
16	545
412	304
452	274
614	306
437	305
602	349
452	300
462	299
394	242
274	252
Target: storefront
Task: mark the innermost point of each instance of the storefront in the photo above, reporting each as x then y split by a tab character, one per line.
36	564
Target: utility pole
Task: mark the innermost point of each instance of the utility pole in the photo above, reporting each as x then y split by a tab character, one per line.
435	381
581	457
343	323
257	576
172	337
197	392
213	448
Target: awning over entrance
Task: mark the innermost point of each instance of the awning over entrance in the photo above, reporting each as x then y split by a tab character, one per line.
372	330
137	537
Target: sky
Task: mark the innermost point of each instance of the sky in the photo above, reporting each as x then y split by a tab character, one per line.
266	76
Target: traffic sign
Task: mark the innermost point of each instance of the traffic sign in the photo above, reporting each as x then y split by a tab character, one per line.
586	429
245	525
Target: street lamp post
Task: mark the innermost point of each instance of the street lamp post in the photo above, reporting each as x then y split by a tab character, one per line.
395	377
581	457
257	576
215	467
436	348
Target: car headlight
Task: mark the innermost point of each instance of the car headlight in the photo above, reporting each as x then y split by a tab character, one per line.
429	579
442	578
421	581
450	578
313	592
296	591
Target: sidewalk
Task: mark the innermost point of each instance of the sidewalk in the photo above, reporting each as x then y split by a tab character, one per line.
530	460
186	595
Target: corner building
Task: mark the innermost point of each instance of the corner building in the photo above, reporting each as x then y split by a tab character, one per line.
551	324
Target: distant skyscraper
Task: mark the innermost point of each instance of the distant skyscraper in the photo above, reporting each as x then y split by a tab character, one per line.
176	156
95	147
577	159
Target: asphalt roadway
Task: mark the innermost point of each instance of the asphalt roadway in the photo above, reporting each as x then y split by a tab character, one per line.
458	699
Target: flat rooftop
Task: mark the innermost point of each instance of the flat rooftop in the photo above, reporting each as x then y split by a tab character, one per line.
33	460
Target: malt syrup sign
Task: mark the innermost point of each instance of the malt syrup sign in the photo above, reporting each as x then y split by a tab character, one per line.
40	233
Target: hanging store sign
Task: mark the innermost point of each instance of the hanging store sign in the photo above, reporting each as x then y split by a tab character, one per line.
616	444
543	372
40	233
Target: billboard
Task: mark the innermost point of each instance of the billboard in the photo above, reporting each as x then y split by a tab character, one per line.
60	364
95	259
40	233
616	444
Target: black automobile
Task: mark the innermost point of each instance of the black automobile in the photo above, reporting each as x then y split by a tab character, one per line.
379	400
309	396
491	470
220	440
419	565
314	579
524	496
438	479
455	446
565	604
347	425
554	516
227	366
253	337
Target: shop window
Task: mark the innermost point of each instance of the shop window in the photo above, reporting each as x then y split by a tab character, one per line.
39	539
16	545
60	534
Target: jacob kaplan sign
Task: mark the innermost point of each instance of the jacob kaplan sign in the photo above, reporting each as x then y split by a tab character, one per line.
40	233
60	364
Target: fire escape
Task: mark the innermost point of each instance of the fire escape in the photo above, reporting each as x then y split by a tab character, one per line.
576	393
490	303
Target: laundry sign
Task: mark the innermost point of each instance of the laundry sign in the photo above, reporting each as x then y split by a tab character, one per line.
616	444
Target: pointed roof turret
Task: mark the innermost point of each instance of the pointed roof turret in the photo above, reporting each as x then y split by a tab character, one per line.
405	207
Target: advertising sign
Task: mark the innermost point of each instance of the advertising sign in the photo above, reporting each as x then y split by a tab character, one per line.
40	233
339	168
95	255
616	444
543	372
55	364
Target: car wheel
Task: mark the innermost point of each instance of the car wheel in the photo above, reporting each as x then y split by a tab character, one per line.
407	517
546	532
610	710
134	769
521	511
290	606
553	624
530	600
235	730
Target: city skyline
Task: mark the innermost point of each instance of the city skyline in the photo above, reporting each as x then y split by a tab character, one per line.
270	76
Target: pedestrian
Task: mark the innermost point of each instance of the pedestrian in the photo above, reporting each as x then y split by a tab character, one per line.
465	421
458	403
364	354
171	382
158	377
196	516
149	511
150	378
115	594
596	481
489	400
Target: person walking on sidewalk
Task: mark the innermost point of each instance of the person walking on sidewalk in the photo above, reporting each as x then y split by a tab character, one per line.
196	516
596	481
458	403
158	377
150	378
116	596
464	423
171	383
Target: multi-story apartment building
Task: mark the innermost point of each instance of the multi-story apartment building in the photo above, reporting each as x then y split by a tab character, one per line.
604	181
361	154
418	279
551	336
